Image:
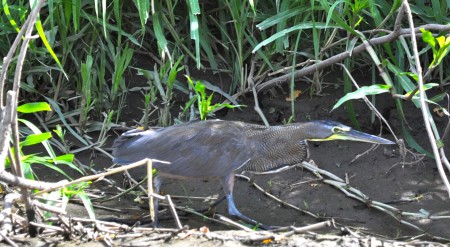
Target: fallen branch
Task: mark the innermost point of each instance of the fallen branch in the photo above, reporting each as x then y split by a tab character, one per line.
100	175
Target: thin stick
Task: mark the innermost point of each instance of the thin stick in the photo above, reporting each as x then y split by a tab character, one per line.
97	176
174	212
8	240
255	93
234	223
5	219
366	100
49	208
423	105
15	125
151	206
276	198
313	227
6	118
358	195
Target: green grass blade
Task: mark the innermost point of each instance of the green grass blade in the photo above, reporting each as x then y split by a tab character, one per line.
67	159
363	92
205	43
47	45
161	39
194	7
194	11
217	89
96	7
57	109
67	11
412	142
8	15
76	10
112	28
284	32
104	18
87	204
36	130
281	17
337	17
143	7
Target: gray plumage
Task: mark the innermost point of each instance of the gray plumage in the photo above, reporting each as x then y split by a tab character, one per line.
214	148
219	149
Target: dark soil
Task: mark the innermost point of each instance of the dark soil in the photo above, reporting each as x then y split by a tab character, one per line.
378	173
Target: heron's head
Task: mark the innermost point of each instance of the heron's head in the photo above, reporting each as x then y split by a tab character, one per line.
326	130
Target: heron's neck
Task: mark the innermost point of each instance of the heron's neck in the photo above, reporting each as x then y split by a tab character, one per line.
303	131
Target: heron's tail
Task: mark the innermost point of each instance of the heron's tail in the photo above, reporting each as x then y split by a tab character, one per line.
123	145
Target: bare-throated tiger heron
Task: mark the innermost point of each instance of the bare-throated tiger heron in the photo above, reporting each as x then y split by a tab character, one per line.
219	149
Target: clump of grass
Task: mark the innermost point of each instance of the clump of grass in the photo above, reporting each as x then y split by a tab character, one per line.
84	50
204	102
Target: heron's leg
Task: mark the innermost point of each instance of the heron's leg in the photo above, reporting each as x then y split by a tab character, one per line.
228	183
157	181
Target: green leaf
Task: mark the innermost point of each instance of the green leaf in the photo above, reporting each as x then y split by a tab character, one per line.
286	31
444	48
36	130
427	36
63	120
35	159
412	142
442	41
104	20
173	75
8	15
50	163
362	92
67	159
35	139
438	52
217	89
143	9
425	87
160	38
26	167
281	17
87	204
221	105
34	107
195	7
76	10
410	74
188	105
439	97
47	45
195	35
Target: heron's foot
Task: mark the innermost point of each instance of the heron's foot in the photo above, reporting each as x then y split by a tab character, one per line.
233	211
249	220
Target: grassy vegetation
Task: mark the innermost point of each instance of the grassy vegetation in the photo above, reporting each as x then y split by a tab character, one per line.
84	50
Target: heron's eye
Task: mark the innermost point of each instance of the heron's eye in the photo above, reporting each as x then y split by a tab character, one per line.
338	129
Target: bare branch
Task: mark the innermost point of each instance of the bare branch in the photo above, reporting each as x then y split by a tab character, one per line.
5	127
357	50
424	105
